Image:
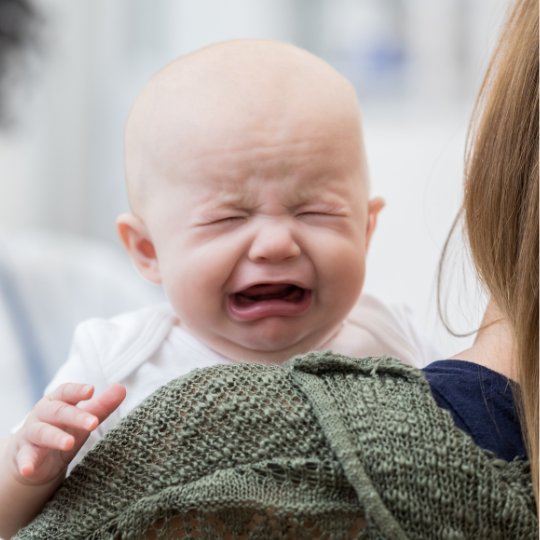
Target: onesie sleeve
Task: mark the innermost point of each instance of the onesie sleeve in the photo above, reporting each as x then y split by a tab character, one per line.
83	364
106	351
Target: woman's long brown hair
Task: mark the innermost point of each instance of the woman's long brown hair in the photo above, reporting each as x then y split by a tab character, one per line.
500	206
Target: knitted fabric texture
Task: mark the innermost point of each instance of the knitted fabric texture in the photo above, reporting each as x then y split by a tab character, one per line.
324	447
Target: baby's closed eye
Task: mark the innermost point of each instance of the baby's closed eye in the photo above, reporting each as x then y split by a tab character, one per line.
321	215
229	219
222	220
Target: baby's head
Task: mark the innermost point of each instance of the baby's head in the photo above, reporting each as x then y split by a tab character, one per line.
249	189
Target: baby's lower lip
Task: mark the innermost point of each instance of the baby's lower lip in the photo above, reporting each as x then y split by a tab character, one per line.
269	300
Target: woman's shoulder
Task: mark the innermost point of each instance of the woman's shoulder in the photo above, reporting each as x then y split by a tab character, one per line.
481	402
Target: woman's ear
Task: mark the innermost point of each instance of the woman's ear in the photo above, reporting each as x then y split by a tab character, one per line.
136	240
374	207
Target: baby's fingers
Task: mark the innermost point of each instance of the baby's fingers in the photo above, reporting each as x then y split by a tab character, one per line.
103	405
44	435
61	414
72	393
27	459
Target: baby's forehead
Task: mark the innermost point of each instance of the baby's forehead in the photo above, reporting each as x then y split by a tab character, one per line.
295	167
256	95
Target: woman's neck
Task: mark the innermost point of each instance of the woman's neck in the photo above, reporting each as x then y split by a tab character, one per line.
494	346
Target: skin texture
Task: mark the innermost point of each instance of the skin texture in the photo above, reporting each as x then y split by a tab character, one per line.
246	167
494	346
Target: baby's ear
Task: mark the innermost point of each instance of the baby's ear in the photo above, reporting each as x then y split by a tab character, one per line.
136	240
374	207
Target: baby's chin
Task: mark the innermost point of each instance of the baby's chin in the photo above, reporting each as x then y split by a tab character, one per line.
274	340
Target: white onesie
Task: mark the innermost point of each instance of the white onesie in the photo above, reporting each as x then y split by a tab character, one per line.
146	349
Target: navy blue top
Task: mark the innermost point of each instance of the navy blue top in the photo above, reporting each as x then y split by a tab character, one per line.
481	403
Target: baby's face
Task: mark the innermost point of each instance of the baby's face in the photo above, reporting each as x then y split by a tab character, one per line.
247	173
260	240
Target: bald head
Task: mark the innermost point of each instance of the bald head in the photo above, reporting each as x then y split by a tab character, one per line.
233	95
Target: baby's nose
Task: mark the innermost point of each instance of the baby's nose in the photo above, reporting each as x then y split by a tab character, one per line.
274	243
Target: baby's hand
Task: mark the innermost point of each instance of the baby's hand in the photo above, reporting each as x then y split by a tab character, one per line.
56	429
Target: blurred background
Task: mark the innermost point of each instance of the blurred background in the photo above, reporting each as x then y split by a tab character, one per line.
417	66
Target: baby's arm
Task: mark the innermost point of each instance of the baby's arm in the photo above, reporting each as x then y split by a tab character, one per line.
34	460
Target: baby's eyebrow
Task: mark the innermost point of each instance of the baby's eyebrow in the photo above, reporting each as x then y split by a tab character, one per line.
230	201
248	200
218	206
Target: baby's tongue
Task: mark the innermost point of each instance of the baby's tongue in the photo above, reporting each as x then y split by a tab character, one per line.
268	291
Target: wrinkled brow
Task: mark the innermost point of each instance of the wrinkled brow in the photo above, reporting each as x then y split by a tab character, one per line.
291	196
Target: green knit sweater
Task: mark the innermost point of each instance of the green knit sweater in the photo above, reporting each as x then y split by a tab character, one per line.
325	447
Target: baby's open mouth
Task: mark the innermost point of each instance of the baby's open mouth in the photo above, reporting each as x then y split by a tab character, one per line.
269	300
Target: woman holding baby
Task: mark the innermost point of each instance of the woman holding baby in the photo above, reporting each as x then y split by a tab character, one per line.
331	446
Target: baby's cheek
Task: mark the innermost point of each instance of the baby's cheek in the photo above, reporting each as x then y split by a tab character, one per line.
342	273
194	286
